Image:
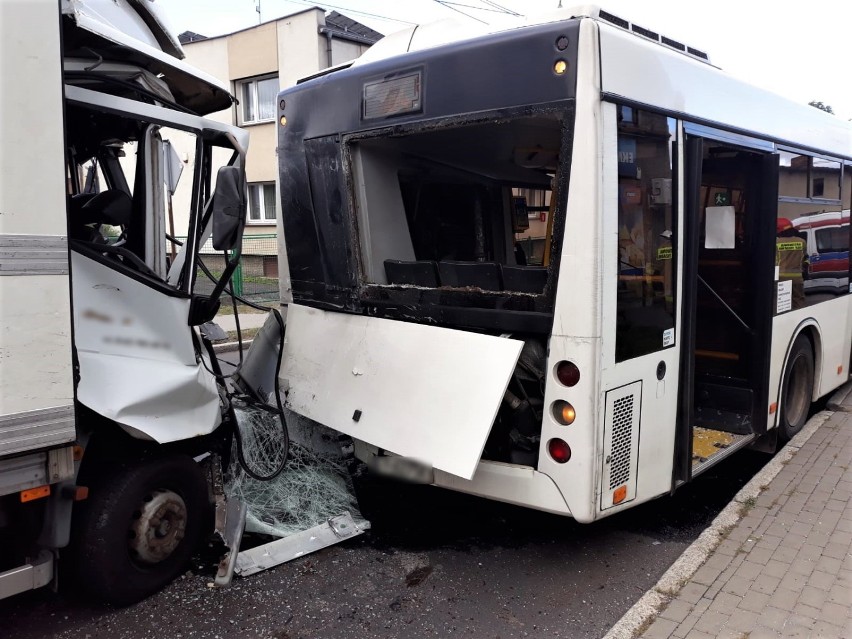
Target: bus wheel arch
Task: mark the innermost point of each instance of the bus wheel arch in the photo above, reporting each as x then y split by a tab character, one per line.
799	381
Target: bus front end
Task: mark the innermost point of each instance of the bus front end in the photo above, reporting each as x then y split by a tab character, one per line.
443	312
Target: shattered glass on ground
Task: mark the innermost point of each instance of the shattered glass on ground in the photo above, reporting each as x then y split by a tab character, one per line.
314	486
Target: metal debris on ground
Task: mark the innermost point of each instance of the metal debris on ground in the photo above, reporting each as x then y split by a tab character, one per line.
313	492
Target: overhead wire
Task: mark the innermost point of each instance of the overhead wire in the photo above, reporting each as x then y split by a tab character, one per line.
502	8
467	15
468	6
356	11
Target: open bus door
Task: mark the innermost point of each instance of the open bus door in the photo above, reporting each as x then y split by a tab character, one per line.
729	242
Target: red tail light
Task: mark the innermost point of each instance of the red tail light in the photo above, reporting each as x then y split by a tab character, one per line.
567	373
559	450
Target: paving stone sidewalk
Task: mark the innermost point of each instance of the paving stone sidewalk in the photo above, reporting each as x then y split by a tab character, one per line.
785	569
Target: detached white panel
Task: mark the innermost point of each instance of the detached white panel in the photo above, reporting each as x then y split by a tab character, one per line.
424	392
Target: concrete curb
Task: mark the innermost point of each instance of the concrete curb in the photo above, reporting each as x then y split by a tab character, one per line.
228	347
655	600
836	402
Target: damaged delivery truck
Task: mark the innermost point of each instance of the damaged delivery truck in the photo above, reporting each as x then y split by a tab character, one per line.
110	395
539	264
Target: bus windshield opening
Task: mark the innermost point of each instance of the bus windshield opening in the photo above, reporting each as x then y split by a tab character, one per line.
461	206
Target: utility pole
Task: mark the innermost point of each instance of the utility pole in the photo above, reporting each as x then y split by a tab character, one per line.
257	8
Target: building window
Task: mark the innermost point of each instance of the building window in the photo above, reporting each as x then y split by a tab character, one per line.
261	202
257	99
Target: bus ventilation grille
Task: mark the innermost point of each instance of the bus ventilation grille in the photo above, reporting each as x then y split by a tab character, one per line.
651	35
645	32
620	22
622	433
674	44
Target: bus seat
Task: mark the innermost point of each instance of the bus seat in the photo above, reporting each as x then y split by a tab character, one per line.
420	273
524	279
483	275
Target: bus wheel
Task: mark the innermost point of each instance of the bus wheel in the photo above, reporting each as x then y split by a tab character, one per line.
798	389
139	528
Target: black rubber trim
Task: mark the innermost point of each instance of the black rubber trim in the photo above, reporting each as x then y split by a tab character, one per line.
91	252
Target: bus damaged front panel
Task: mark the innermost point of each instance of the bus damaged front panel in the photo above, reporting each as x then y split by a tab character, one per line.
409	204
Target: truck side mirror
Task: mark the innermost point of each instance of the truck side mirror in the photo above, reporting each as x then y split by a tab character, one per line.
229	208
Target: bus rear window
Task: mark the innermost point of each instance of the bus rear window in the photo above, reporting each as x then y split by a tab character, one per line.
467	206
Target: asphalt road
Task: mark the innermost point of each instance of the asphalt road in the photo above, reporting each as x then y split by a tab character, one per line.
435	564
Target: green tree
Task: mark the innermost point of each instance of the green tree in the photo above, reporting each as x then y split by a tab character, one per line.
822	107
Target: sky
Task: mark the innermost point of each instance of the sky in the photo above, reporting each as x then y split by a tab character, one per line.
795	49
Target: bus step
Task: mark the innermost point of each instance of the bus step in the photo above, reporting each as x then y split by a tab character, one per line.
722	420
710	446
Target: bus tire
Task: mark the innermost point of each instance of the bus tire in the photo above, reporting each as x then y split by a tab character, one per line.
139	528
798	389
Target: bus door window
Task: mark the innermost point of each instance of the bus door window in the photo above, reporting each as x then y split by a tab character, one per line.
646	234
727	235
812	244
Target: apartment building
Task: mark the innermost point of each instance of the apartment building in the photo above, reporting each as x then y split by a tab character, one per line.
258	62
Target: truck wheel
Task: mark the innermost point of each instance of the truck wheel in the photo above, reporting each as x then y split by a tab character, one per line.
139	527
798	389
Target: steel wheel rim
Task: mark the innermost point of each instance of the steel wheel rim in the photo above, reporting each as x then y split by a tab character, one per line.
158	527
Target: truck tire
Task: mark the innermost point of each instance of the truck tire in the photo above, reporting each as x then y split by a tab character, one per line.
798	389
139	528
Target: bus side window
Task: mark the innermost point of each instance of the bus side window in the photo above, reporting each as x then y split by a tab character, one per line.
812	229
646	234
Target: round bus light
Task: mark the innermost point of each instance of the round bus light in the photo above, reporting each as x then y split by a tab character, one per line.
563	412
283	120
567	373
559	451
560	67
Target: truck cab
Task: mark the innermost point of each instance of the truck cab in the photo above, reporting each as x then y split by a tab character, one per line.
108	389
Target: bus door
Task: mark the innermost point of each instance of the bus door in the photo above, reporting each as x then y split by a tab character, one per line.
639	378
729	243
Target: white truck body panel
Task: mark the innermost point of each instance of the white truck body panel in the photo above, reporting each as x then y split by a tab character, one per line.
336	364
36	376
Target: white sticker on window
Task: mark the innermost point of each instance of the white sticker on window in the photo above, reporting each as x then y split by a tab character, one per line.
720	227
777	273
785	296
668	337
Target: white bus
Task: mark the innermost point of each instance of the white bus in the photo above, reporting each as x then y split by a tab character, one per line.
659	328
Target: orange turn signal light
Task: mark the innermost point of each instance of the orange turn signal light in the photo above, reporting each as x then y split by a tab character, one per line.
619	494
563	412
35	493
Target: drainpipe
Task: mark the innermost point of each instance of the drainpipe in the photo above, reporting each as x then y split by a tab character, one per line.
328	46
